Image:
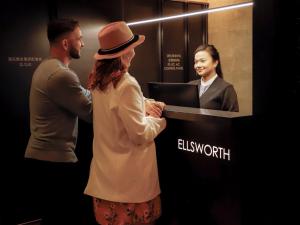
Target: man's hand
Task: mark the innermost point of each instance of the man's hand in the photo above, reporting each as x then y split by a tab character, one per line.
154	108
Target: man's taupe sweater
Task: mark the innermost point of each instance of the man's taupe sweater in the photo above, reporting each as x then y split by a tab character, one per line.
56	101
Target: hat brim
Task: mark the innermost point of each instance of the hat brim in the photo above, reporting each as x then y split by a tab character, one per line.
140	40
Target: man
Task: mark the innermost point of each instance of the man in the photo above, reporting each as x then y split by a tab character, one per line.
57	99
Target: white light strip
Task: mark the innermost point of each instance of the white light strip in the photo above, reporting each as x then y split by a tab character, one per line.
235	6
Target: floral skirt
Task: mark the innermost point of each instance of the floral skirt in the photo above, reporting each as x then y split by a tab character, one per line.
116	213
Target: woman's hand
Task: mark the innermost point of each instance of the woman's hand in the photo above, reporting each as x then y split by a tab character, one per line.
154	108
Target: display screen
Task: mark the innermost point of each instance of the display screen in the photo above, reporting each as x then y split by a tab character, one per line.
179	94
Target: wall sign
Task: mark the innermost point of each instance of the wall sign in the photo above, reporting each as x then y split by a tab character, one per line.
173	62
24	61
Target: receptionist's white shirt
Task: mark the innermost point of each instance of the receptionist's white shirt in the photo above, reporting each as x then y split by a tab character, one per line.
206	84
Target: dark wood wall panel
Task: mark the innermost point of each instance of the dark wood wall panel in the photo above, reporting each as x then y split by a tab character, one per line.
197	35
146	64
173	43
23	46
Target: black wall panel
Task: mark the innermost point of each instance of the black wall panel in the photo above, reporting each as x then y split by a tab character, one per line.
146	64
276	107
173	43
197	34
23	46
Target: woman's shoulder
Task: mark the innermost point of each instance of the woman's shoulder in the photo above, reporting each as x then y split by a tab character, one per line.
221	82
126	82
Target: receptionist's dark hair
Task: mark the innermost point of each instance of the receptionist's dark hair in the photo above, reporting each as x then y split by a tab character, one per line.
211	49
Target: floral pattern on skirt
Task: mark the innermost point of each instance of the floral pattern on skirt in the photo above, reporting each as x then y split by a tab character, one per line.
117	213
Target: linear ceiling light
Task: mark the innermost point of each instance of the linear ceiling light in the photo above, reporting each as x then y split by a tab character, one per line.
234	6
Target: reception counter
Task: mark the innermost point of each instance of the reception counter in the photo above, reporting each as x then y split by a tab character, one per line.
199	159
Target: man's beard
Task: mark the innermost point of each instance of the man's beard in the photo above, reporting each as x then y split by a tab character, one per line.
74	53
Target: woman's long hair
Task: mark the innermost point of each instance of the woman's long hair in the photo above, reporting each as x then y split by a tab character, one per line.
211	49
106	71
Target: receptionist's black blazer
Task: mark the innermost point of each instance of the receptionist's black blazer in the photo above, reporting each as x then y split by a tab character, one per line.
219	96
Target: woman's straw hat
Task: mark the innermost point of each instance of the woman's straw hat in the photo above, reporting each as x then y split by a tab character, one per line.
116	39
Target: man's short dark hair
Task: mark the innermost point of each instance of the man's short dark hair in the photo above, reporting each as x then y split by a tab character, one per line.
57	28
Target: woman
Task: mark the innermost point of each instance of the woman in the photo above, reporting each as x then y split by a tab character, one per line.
123	178
214	91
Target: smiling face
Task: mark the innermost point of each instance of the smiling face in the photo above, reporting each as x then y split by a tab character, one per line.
204	65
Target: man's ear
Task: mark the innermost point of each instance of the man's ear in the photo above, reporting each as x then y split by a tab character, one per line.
65	44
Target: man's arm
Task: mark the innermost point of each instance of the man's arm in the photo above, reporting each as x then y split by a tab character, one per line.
65	89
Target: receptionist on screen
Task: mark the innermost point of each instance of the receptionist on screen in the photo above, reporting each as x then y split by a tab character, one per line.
214	91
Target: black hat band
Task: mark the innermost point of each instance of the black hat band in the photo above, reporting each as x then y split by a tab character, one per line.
119	48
